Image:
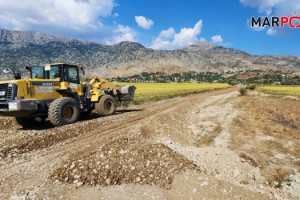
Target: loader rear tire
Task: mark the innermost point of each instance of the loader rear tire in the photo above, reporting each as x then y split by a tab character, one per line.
27	122
63	111
106	105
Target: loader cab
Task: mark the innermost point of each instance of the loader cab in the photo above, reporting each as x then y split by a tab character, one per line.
61	72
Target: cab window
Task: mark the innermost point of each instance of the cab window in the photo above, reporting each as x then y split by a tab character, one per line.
37	72
73	74
54	72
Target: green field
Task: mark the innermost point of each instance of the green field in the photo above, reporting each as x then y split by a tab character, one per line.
284	90
157	91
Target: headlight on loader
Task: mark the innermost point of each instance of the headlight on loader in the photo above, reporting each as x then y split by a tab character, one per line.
13	106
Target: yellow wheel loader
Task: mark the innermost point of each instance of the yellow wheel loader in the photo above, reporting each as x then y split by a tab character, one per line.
56	91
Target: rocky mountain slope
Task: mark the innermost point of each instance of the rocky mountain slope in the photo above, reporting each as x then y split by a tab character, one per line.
19	49
18	39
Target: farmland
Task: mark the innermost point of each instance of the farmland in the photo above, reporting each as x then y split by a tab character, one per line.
284	90
157	91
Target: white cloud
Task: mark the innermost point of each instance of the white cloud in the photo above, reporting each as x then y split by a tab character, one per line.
277	7
143	22
216	39
167	34
72	18
169	39
264	6
67	14
121	34
271	32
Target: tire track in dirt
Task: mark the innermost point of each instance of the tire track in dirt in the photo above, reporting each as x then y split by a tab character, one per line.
27	164
27	145
91	138
42	171
114	162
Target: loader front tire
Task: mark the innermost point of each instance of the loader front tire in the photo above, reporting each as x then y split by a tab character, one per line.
106	105
63	111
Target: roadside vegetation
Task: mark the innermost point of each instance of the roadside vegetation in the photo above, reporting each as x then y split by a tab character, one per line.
243	91
284	90
255	76
157	91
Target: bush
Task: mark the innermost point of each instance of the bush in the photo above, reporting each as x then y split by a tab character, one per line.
251	87
243	91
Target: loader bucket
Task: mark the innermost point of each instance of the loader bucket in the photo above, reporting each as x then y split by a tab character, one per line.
126	93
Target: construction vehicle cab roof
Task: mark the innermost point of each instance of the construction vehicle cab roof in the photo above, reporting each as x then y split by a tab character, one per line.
62	63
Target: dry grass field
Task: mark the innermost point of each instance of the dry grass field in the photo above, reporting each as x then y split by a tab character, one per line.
267	134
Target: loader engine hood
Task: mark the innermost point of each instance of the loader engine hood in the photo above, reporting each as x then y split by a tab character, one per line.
20	97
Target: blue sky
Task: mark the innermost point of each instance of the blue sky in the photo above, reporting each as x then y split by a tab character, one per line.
158	24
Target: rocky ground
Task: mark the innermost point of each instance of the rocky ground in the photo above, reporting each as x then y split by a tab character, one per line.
215	145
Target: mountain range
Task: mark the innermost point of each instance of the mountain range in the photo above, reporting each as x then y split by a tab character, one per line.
19	49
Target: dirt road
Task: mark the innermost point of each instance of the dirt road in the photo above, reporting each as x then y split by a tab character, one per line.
180	148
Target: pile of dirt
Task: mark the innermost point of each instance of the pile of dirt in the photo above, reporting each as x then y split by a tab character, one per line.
26	144
122	163
8	123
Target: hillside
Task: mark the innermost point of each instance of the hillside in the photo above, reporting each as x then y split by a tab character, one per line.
19	49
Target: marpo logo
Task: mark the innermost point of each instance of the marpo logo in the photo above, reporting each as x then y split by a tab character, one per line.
276	21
